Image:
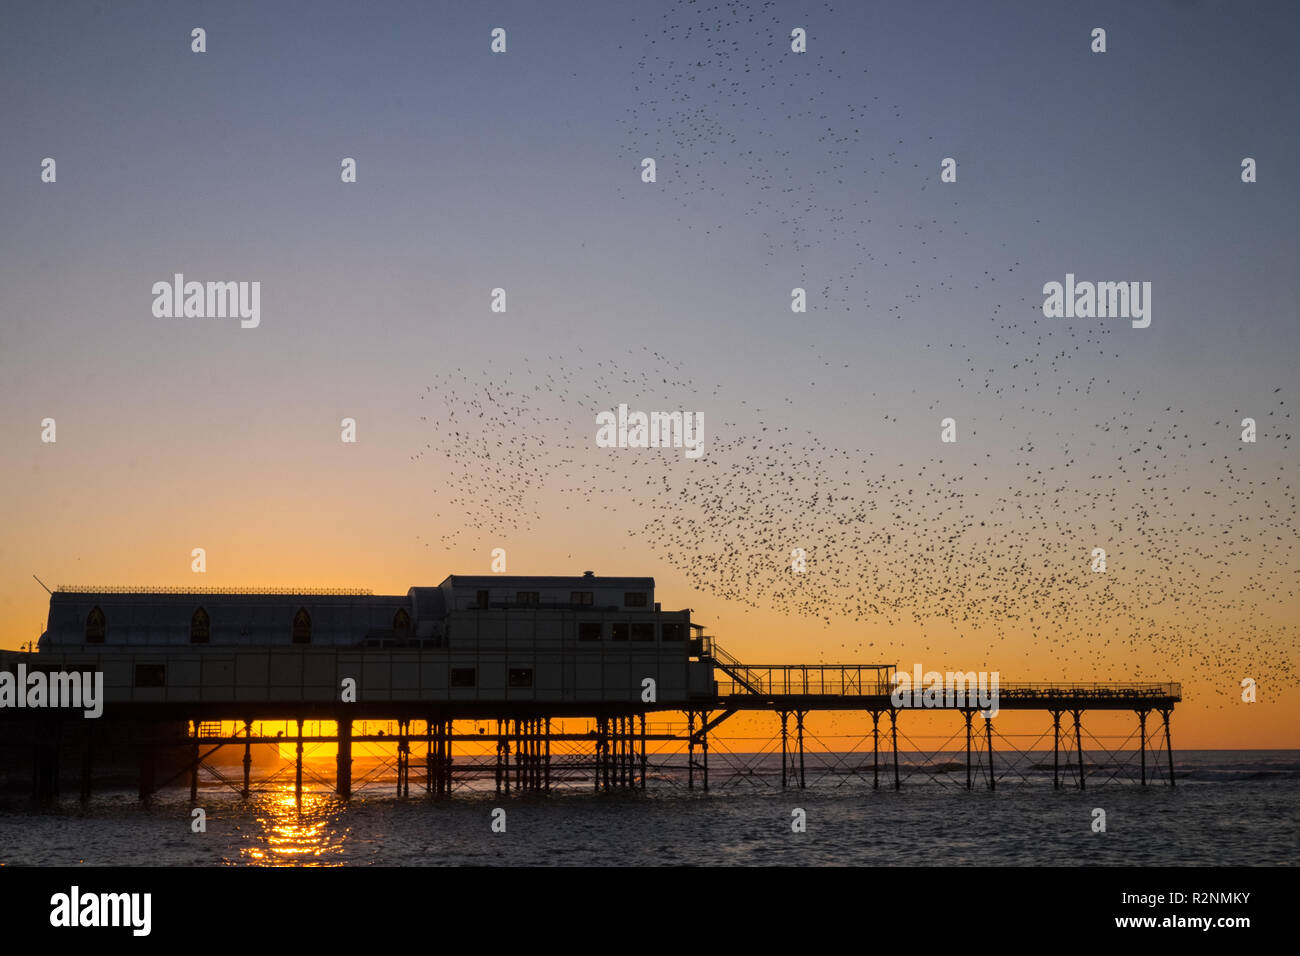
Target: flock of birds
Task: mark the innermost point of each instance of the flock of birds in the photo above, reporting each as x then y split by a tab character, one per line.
708	76
993	533
1199	527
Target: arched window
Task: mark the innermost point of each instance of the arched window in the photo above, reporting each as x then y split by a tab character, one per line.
302	627
401	621
96	626
199	627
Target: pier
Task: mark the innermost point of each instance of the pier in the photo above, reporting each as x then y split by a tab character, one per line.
529	683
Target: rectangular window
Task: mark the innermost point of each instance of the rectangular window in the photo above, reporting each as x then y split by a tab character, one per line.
589	631
586	598
527	598
643	631
618	630
521	677
150	675
482	600
635	599
674	632
462	677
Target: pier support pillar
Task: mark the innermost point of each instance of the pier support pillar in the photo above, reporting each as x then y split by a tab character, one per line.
704	746
875	750
785	746
1056	750
503	757
521	752
988	736
1142	742
440	770
343	762
613	754
798	719
449	754
297	780
403	758
498	765
1078	745
625	752
194	763
429	760
690	750
893	730
602	752
643	760
1169	745
248	757
530	748
968	714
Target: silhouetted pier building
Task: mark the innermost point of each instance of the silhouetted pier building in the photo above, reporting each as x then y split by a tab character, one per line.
517	651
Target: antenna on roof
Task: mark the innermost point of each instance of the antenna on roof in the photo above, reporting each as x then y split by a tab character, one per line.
42	584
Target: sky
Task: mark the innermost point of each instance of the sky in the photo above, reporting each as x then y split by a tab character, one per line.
774	170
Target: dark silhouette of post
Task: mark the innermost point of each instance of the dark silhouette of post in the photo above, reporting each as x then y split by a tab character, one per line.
1078	745
1169	744
248	757
968	714
798	716
297	785
1056	750
343	762
893	729
785	746
1142	745
875	750
194	763
988	733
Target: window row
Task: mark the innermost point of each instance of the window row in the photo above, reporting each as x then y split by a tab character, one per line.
201	625
155	675
482	599
630	631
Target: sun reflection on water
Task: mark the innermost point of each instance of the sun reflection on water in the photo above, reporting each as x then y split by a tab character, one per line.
310	834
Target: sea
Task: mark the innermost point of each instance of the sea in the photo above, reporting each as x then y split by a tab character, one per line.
1239	807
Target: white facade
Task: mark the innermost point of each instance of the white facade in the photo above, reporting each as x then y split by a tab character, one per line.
471	639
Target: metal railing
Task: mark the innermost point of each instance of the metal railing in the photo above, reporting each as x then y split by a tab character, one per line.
874	681
1123	689
118	589
839	680
797	680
